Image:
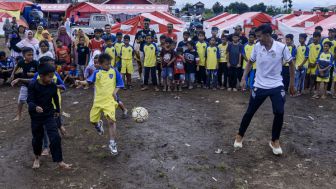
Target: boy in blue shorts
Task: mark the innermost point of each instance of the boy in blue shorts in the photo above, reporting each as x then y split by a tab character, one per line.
107	82
167	56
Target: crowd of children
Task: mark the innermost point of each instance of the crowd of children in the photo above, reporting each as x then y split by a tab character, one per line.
107	61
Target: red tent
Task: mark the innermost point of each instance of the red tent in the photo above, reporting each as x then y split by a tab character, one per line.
132	26
13	6
218	17
248	20
285	17
302	20
168	17
326	24
83	10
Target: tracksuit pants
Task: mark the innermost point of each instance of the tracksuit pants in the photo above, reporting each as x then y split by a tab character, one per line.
152	72
258	96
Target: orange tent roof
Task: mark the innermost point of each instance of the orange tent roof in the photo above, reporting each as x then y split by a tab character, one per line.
13	6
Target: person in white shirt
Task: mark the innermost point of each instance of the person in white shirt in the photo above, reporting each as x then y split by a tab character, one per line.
269	56
44	50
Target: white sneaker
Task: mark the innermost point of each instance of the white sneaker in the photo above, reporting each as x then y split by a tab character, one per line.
238	144
113	148
229	89
99	127
276	151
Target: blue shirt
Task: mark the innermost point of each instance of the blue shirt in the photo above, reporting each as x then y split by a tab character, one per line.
7	64
113	37
57	79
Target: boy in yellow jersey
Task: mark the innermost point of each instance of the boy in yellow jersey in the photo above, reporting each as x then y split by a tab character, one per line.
126	54
212	55
246	54
201	46
150	52
110	50
117	45
285	68
302	54
222	65
107	82
332	38
324	64
314	50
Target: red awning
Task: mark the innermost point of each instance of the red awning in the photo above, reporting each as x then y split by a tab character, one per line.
14	6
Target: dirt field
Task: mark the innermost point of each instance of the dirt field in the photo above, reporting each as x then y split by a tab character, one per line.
176	147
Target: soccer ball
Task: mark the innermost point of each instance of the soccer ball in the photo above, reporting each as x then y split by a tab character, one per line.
139	114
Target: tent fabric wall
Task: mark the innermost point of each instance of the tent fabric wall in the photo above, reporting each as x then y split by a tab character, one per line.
54	7
224	14
132	8
169	18
249	19
299	21
135	24
327	23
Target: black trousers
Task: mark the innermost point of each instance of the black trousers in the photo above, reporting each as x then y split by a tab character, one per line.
233	76
258	96
152	72
285	77
49	123
331	79
201	75
222	70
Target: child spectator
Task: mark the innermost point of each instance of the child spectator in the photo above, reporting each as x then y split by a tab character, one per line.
201	46
191	62
110	50
167	57
285	67
44	50
42	93
223	60
246	54
184	44
107	81
150	52
234	52
117	45
126	55
137	57
29	67
72	75
212	59
324	64
314	50
214	33
179	71
97	42
83	53
6	66
160	46
91	68
301	64
62	57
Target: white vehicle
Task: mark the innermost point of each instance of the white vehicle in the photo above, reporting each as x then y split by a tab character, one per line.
96	21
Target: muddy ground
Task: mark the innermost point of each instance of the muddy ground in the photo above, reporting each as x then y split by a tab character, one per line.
176	147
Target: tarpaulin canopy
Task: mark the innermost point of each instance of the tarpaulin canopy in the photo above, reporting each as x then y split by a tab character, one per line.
305	20
13	5
54	7
85	8
168	17
132	26
327	23
285	17
224	14
248	20
131	8
221	20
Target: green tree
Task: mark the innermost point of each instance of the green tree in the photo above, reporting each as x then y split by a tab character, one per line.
217	8
261	7
272	10
288	4
237	7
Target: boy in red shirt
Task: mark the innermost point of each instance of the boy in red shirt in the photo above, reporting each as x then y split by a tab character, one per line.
179	72
62	57
97	43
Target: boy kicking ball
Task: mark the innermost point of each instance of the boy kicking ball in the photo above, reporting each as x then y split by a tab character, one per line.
42	93
107	82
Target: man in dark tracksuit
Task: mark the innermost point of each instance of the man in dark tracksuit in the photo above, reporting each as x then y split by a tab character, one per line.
42	93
